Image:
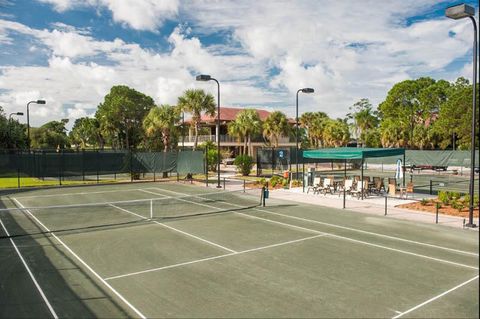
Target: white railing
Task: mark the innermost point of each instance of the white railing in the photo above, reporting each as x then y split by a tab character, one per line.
228	138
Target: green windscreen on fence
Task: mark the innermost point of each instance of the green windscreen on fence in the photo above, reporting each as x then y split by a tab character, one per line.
434	158
191	162
67	163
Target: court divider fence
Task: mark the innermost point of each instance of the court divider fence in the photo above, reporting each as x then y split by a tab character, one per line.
95	165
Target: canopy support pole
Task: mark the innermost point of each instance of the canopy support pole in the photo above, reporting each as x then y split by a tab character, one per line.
361	178
344	181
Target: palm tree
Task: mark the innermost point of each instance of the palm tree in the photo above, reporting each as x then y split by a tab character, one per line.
195	102
247	123
314	123
275	126
235	129
162	120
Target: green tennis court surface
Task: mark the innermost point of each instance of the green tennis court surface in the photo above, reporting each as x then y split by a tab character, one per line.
179	250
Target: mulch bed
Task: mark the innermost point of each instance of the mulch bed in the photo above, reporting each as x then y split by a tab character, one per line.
446	210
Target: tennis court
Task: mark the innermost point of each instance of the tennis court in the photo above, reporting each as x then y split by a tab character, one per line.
180	250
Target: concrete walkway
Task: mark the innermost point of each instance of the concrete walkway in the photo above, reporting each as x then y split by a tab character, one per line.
371	205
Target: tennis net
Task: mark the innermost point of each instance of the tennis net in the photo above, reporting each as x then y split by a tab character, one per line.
25	221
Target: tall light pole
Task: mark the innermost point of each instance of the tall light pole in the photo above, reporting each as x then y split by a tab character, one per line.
304	90
204	77
28	119
459	12
10	123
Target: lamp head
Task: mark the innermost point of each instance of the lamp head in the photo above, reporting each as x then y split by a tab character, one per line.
40	102
460	11
308	90
203	77
19	113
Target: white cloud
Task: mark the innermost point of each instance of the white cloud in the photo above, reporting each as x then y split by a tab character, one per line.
136	14
345	50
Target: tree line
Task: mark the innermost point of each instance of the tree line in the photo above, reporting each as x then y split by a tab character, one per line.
416	114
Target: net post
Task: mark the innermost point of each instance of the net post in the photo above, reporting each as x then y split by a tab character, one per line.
386	197
178	177
224	183
431	184
244	186
151	209
436	213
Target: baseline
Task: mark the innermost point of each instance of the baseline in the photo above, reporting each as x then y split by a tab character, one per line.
83	262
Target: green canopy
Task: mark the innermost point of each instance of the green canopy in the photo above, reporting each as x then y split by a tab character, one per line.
351	153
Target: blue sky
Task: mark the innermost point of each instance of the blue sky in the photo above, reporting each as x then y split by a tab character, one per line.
71	52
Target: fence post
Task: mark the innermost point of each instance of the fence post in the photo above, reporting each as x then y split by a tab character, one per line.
98	161
83	164
244	186
60	164
206	166
131	166
386	205
436	213
18	168
155	164
431	185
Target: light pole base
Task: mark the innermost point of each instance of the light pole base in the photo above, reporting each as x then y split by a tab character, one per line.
471	225
218	186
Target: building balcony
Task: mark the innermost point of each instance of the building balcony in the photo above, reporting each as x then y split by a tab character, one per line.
232	140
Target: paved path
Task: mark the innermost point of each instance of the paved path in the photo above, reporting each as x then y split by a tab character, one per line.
373	205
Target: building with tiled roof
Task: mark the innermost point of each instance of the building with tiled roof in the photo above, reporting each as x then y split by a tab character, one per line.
227	115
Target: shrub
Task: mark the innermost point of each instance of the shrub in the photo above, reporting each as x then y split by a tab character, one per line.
296	183
276	180
458	205
284	182
244	164
424	202
212	160
444	197
454	195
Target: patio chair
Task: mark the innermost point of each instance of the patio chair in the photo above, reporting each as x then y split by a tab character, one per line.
327	186
346	187
316	185
406	190
392	189
378	186
357	189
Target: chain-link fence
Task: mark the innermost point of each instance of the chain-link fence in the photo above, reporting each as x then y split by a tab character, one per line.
50	167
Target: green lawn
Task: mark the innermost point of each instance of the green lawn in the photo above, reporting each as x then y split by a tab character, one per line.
12	182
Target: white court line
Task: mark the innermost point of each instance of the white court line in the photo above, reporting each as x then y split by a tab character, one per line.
83	263
213	258
353	240
435	298
177	230
80	193
246	215
350	228
52	311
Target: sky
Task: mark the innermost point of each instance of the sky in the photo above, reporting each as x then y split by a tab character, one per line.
71	52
